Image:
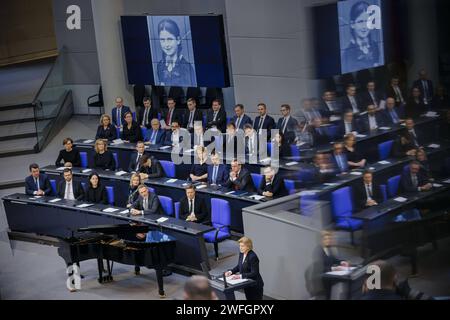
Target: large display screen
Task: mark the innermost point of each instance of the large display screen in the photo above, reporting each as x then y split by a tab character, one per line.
360	34
185	51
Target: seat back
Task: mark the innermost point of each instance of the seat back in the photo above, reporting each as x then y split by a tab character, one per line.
168	167
257	178
53	185
110	194
144	132
166	204
384	149
383	190
332	131
393	184
84	159
307	203
151	190
295	151
289	185
341	203
220	214
116	159
176	206
269	148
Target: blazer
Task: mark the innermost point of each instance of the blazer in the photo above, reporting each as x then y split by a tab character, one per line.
242	182
345	163
109	133
366	98
133	163
347	105
222	174
151	114
249	269
406	181
341	127
430	92
291	125
123	111
176	116
160	136
268	124
327	112
414	109
78	191
364	122
198	116
155	171
104	161
134	134
168	138
97	195
221	120
329	261
388	118
200	210
360	195
245	120
390	92
276	187
44	185
154	206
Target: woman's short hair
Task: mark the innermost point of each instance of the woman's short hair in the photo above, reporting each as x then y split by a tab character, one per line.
97	142
128	113
103	117
246	242
134	175
170	26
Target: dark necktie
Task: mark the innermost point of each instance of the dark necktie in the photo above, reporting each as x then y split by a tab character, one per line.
145	120
238	122
369	191
282	125
190	206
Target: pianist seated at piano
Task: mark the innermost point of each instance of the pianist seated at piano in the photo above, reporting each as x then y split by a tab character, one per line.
133	192
69	156
354	158
367	193
199	169
96	192
103	159
150	168
37	184
155	135
239	178
193	207
147	203
68	188
271	184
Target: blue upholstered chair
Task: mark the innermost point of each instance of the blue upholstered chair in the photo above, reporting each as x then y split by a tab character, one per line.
393	184
116	160
383	190
110	194
342	208
144	132
176	205
269	148
168	167
84	159
256	178
295	152
53	185
220	219
150	189
166	204
384	149
289	185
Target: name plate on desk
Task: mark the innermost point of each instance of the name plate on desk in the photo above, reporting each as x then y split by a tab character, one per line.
110	210
120	173
171	180
434	146
88	141
384	162
400	199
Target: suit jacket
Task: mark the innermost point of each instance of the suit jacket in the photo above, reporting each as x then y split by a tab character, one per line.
222	174
44	185
133	163
430	92
360	195
388	117
124	110
245	119
345	163
414	109
291	125
242	182
406	181
152	114
221	120
198	116
341	127
168	138
364	121
110	133
230	144
327	112
268	124
390	92
276	187
160	136
176	116
134	134
97	195
78	191
366	98
249	269
200	210
346	104
319	138
154	206
329	261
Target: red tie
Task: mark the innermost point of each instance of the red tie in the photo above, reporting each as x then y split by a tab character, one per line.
168	118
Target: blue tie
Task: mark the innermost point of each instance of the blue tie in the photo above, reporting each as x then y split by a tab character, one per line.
214	177
119	120
153	138
340	162
394	116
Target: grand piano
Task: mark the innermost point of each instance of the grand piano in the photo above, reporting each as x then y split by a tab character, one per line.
120	243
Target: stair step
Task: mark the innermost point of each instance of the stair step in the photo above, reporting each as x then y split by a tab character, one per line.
16	107
17	147
16	116
21	130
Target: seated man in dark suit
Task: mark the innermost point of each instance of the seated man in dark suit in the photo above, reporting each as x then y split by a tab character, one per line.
329	106
394	90
147	203
171	114
425	86
271	185
150	167
217	171
387	290
68	188
239	178
408	141
193	207
348	125
240	118
286	123
230	141
136	156
251	141
351	101
155	135
197	137
340	158
319	134
174	137
414	179
118	113
264	121
367	193
392	114
146	114
371	96
372	120
191	115
216	117
37	184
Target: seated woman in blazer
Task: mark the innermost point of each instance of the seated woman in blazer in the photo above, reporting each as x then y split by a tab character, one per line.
106	131
103	159
248	268
133	192
96	192
131	131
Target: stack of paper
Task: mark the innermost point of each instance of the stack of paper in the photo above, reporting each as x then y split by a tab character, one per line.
293	163
361	135
201	186
86	170
109	210
446	181
88	141
55	200
85	205
257	197
60	168
121	173
162	219
165	147
400	199
117	141
383	162
431	114
437	185
434	146
125	212
172	180
356	173
385	128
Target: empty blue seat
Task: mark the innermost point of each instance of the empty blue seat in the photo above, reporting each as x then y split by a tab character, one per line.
176	206
110	194
220	219
269	148
289	185
257	178
342	208
393	185
384	149
84	159
168	167
116	160
383	190
151	190
295	152
144	132
166	204
53	185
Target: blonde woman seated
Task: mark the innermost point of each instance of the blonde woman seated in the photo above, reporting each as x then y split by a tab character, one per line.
106	131
103	159
133	192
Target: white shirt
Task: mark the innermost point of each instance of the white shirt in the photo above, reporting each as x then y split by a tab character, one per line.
354	104
286	120
368	187
176	139
348	127
372	122
69	191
